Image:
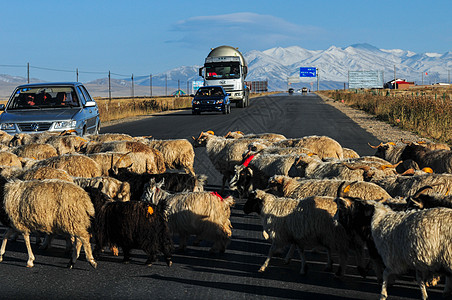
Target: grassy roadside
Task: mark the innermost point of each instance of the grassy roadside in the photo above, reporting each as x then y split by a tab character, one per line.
120	108
426	112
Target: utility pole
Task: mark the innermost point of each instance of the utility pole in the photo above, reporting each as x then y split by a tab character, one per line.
166	85
150	83
318	78
133	92
395	78
28	72
76	72
109	85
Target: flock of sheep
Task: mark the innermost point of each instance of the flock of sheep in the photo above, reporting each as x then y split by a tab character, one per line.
136	193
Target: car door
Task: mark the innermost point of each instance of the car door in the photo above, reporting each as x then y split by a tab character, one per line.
91	113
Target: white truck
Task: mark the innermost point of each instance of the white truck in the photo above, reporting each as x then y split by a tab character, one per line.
226	66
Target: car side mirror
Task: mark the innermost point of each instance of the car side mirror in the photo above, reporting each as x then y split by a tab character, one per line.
228	94
2	107
90	104
191	95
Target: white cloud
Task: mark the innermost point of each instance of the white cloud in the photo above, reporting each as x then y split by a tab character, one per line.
245	30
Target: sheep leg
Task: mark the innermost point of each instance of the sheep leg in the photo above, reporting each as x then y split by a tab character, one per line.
77	245
87	248
69	243
289	254
8	233
343	257
421	283
182	242
272	250
448	287
329	264
31	257
384	285
303	267
47	240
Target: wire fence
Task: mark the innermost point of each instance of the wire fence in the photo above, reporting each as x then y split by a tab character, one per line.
107	84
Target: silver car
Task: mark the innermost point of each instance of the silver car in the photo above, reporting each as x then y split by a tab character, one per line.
55	107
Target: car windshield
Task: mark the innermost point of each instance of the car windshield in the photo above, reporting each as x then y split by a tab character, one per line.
209	92
43	97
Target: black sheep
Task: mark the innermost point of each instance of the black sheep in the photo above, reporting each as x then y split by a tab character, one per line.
134	225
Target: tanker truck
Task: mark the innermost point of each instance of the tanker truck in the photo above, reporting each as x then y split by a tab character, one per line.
226	66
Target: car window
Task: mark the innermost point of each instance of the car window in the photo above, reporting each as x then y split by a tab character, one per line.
42	97
85	93
81	95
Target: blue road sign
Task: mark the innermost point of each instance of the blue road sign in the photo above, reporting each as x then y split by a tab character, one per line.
308	72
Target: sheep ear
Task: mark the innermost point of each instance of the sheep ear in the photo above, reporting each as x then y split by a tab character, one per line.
346	189
161	183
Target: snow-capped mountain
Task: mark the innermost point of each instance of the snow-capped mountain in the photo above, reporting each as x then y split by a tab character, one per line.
277	65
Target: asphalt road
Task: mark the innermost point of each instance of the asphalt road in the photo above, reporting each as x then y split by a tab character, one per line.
196	274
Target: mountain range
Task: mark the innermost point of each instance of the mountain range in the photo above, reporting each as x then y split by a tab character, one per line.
279	64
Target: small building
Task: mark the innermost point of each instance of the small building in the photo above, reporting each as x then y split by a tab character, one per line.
400	84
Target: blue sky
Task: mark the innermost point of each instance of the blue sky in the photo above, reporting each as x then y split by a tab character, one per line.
144	37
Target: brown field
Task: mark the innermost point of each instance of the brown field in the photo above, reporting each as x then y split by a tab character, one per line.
424	111
120	108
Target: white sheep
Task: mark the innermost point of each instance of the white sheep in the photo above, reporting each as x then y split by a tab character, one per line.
204	214
306	222
405	240
49	206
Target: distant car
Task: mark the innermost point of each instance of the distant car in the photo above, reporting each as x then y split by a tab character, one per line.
53	107
291	91
211	98
304	90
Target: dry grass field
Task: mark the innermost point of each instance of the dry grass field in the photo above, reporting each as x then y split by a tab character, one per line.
424	111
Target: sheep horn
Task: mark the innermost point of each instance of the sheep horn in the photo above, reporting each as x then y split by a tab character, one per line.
375	147
405	142
421	191
364	168
408	172
211	132
120	159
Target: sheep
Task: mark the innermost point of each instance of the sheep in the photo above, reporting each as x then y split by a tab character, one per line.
76	165
134	225
224	153
49	206
112	187
9	159
284	186
439	160
350	169
66	143
35	151
408	185
173	182
350	153
116	146
323	146
407	240
275	137
46	173
204	214
5	138
110	137
144	158
177	154
256	170
307	222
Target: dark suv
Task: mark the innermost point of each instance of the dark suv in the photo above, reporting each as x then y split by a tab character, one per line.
211	98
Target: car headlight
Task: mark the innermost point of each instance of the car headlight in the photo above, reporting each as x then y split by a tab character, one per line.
65	124
220	102
196	102
7	126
